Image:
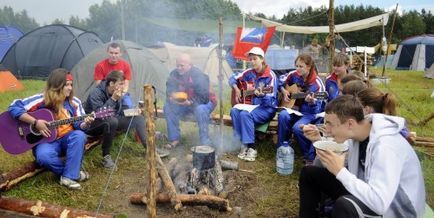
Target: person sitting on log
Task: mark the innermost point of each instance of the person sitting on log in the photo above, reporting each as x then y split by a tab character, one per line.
303	79
256	108
59	98
108	94
188	92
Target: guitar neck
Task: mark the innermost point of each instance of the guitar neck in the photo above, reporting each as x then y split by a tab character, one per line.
56	123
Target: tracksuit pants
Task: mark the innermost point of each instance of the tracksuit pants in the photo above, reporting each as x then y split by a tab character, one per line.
71	145
201	112
244	122
290	123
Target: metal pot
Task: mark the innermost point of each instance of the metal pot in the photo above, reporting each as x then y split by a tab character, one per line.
203	157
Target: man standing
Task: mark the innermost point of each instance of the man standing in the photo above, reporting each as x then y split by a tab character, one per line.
190	80
383	177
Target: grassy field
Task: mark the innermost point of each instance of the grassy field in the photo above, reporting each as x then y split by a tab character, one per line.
279	194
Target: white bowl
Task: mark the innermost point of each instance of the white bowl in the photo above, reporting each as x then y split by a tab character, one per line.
331	146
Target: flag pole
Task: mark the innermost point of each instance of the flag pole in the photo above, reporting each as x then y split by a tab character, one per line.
244	26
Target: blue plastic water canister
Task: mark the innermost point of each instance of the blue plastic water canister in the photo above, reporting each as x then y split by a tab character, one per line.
285	159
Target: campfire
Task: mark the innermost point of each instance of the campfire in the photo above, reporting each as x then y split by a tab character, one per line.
195	179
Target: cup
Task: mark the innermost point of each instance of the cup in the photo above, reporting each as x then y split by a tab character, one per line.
141	104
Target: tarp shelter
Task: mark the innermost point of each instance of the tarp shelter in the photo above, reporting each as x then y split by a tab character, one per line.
378	20
46	48
8	36
205	58
8	82
145	66
415	53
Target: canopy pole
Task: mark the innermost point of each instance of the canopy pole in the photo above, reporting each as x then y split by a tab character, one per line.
390	40
331	34
220	78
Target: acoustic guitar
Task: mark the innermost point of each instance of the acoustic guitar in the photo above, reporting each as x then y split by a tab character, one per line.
248	91
294	94
17	137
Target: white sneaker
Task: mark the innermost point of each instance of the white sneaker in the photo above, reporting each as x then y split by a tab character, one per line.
243	152
251	155
69	183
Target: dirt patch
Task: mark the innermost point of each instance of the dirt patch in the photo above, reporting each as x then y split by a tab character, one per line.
242	188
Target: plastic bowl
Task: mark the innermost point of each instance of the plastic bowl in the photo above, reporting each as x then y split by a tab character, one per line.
331	146
180	96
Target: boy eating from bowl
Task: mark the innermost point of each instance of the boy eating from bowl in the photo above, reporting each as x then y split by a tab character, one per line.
383	177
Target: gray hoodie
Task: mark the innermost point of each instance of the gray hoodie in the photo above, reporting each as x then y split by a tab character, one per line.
392	184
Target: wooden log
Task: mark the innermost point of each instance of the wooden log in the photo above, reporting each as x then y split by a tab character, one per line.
424	139
168	183
424	144
193	200
30	169
148	96
42	209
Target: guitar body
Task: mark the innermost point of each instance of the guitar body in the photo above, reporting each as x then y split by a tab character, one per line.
291	89
17	137
294	94
243	86
248	92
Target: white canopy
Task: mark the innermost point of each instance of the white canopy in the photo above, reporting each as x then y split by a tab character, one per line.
346	27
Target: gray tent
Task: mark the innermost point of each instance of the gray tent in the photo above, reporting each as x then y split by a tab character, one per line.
44	49
415	53
145	67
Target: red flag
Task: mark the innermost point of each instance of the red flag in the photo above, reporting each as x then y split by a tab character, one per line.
247	38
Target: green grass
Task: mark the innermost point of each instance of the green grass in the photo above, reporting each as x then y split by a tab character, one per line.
275	195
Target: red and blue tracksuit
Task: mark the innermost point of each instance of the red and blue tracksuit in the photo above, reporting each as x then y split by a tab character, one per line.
291	123
48	155
244	122
332	87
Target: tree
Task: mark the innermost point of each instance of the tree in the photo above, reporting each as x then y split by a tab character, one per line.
20	20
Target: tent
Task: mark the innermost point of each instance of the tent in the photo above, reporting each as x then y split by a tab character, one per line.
145	67
46	48
8	82
415	53
429	73
8	36
205	58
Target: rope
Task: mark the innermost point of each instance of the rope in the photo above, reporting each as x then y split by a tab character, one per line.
101	199
113	168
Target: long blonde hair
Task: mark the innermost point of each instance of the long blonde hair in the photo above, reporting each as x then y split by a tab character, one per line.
53	93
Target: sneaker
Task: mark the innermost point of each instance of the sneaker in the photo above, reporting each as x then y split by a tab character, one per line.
107	161
243	152
69	183
162	152
251	155
83	176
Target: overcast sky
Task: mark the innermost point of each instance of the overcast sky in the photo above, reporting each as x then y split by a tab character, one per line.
45	11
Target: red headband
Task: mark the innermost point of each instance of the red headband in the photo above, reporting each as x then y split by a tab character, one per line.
69	76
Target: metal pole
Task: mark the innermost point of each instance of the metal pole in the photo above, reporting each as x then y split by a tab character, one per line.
220	77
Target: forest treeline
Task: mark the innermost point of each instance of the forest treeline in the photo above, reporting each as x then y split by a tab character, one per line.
105	20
